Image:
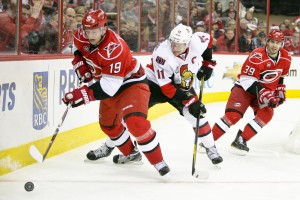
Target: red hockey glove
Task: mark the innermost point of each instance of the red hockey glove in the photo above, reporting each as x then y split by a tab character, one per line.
280	93
82	70
194	105
266	97
206	69
79	96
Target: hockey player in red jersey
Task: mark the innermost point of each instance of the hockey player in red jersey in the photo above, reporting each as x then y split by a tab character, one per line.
175	62
260	85
120	85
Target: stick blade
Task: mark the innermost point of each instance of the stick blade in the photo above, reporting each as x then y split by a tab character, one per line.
34	152
201	174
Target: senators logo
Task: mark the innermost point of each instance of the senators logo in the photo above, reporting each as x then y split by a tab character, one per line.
187	77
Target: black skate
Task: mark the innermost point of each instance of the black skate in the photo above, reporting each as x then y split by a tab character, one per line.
213	155
101	152
239	145
135	157
162	168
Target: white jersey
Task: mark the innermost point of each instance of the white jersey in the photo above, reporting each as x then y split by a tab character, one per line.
166	67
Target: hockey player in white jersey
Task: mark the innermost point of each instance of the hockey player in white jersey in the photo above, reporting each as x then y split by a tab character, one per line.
175	62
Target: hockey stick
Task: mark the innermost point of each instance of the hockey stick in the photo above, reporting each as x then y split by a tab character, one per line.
198	174
34	152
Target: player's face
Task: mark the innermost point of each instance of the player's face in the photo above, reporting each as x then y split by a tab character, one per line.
273	47
178	48
95	35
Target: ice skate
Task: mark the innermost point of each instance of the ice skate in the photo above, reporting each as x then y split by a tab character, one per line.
162	168
239	145
101	152
135	157
213	155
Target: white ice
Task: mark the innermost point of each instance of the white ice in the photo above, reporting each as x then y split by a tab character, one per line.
268	172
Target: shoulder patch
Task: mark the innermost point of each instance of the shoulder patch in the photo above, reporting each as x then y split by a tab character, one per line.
256	55
160	60
203	38
110	48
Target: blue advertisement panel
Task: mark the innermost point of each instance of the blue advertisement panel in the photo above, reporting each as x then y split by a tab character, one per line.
40	100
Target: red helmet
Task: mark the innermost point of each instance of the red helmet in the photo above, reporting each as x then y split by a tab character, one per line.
276	35
94	19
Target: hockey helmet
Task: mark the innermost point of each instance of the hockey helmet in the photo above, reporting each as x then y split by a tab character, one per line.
94	19
276	35
181	34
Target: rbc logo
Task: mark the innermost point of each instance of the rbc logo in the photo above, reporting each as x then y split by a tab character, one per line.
40	100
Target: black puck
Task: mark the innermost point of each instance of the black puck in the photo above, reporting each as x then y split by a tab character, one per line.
29	186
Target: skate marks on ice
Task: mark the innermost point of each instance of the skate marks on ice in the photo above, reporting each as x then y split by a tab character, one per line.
268	169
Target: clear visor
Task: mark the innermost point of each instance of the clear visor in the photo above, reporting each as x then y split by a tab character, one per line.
178	48
94	32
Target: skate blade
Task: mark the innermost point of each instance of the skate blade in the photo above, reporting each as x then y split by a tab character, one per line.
166	178
218	166
238	152
140	162
95	161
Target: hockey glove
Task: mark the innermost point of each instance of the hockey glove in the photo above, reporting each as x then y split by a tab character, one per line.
82	70
194	105
79	96
206	69
280	93
266	97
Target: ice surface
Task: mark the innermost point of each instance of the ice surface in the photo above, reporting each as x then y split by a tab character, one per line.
267	172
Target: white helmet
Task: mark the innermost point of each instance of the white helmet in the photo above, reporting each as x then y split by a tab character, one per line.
181	34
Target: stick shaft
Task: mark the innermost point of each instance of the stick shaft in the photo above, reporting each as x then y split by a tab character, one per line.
56	131
197	130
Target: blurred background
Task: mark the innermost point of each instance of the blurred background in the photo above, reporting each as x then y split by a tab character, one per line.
46	27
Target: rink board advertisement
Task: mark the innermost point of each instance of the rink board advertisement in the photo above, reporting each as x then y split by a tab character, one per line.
31	106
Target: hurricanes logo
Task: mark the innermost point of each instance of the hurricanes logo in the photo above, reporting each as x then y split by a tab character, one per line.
270	76
110	48
187	77
257	55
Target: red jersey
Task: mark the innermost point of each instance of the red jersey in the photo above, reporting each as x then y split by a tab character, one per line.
224	45
8	30
111	62
67	37
260	67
